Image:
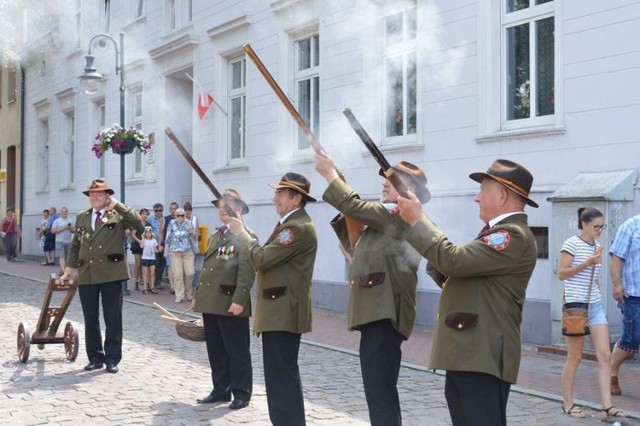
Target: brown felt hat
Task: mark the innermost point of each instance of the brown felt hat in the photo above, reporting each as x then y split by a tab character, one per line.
98	185
296	182
233	194
412	175
511	175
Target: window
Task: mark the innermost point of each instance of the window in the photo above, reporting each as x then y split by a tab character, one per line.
78	25
43	153
69	149
180	13
237	113
138	9
100	120
528	88
136	155
11	86
307	80
542	240
400	88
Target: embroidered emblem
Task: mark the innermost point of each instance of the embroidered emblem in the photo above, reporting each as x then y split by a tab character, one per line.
392	208
498	240
285	237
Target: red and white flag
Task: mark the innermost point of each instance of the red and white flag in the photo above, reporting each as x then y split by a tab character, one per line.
204	103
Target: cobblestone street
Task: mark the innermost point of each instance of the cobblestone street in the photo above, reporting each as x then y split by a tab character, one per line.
161	375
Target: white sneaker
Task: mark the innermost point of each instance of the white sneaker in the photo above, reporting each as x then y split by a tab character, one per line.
178	300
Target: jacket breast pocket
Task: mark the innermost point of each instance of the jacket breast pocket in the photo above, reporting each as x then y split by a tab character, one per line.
461	320
227	289
372	279
115	257
273	292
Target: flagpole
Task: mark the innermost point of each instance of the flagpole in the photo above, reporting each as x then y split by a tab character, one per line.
203	90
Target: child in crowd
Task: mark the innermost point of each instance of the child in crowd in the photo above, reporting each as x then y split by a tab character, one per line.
149	249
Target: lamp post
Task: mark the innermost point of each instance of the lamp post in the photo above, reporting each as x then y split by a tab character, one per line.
91	80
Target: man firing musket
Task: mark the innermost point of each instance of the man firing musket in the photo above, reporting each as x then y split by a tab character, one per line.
382	277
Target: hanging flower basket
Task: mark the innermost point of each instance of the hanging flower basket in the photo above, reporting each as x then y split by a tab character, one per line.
121	140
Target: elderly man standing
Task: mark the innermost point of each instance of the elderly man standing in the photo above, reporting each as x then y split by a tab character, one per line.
477	335
382	279
97	253
223	296
284	266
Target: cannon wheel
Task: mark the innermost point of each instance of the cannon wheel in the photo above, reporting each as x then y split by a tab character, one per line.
24	342
71	341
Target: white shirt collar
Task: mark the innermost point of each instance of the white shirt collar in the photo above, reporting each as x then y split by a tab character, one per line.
502	217
283	218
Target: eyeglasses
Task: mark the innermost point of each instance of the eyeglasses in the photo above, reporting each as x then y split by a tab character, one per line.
179	215
599	227
157	210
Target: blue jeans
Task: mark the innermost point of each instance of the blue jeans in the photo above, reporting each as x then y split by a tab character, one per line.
630	339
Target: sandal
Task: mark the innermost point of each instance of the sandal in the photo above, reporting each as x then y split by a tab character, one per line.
154	291
615	386
574	411
613	412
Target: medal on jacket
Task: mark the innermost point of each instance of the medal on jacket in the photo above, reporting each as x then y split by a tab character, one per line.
226	253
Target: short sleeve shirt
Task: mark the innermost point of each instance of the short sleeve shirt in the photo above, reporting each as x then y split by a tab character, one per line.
626	246
576	288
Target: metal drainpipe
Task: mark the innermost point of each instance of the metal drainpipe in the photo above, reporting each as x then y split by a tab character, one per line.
22	121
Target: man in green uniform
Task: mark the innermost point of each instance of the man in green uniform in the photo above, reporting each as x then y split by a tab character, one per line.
477	336
97	253
284	266
223	296
382	280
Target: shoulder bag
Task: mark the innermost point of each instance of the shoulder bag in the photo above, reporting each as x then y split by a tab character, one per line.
575	315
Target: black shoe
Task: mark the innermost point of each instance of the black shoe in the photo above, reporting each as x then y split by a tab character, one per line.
93	366
211	398
112	368
173	292
238	404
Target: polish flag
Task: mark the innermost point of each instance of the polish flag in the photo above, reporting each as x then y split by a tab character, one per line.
204	103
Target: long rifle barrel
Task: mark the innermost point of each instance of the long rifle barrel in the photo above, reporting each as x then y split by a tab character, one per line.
388	171
196	168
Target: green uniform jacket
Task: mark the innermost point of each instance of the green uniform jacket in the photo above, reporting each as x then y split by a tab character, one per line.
383	274
100	257
478	321
226	277
284	266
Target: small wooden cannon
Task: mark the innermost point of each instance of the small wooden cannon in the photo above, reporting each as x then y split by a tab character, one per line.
49	322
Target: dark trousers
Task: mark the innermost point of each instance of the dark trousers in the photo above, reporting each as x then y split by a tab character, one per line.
228	342
476	398
112	313
282	378
10	244
161	263
380	357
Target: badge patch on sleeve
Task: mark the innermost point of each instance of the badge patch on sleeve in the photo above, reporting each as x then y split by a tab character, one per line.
498	240
285	237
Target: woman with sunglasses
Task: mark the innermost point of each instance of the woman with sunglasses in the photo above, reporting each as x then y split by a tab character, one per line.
179	245
579	268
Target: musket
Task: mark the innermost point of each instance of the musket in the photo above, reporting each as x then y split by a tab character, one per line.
388	171
354	229
196	168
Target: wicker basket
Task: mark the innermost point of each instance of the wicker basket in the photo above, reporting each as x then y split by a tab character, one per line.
192	330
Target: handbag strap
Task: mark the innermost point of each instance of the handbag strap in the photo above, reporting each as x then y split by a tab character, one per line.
593	271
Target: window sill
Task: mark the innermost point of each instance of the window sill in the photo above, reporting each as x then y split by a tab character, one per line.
400	147
300	159
232	168
67	188
521	134
136	21
136	180
42	191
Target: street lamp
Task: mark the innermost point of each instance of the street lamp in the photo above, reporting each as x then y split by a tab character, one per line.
92	80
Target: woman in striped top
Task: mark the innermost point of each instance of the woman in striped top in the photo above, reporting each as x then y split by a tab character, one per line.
579	268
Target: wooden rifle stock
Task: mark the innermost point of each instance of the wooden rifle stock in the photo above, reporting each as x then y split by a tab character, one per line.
388	171
196	168
353	228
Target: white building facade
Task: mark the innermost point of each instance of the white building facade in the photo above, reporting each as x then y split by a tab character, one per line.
448	85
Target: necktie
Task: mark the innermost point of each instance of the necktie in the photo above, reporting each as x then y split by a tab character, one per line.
484	228
222	230
96	223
